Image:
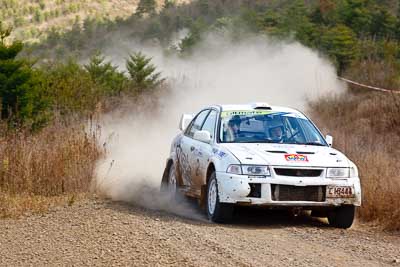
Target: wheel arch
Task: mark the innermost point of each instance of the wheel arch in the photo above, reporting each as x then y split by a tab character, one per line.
210	170
168	165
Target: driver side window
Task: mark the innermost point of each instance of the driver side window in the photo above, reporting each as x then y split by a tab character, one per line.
197	123
209	124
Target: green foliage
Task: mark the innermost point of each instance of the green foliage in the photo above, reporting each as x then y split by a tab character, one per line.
270	21
70	88
73	38
105	75
341	44
20	94
296	19
19	21
338	28
355	14
42	4
143	73
38	16
187	44
325	13
383	24
250	20
304	21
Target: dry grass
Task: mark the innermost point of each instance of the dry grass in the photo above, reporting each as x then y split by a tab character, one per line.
366	128
38	171
15	205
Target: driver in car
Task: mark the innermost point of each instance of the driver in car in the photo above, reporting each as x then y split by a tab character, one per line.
233	130
276	133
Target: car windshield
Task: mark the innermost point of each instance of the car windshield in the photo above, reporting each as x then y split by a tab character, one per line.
267	126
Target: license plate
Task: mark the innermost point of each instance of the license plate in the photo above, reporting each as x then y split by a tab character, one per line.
339	191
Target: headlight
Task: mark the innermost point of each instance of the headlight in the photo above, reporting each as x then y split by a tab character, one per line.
253	170
256	170
338	173
235	169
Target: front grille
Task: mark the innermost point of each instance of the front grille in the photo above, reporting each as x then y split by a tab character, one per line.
255	190
298	193
298	172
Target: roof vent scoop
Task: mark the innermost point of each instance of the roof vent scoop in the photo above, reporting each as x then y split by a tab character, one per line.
260	105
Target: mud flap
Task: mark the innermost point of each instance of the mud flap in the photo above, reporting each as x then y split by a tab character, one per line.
203	196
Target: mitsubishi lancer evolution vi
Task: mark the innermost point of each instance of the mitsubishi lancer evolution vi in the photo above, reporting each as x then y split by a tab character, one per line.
260	155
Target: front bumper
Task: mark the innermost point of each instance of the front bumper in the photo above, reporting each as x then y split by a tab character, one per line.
234	188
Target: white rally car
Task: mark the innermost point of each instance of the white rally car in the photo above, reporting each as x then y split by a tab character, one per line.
263	155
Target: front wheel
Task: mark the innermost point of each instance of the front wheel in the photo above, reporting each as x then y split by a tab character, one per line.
216	211
342	217
169	186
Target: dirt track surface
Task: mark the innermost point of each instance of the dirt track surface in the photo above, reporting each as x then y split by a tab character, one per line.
105	233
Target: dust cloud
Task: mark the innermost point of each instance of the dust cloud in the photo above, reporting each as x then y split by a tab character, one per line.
219	71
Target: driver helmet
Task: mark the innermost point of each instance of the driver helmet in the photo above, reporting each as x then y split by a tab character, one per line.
235	120
276	131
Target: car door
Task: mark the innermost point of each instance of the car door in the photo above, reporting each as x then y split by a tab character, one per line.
186	156
203	152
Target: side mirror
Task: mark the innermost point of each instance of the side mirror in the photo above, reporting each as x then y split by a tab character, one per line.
329	140
185	121
202	136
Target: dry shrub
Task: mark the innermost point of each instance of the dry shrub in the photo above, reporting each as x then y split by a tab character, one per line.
56	162
56	165
366	128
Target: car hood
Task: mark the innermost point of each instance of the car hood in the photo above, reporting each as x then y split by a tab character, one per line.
287	155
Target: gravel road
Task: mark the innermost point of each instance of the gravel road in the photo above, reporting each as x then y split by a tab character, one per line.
103	233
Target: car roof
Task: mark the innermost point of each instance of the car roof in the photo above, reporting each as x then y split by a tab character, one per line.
253	106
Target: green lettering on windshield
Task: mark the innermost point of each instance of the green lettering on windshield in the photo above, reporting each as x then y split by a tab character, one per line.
245	112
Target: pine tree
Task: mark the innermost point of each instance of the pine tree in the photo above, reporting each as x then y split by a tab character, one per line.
19	91
340	43
142	72
296	20
383	23
105	74
13	76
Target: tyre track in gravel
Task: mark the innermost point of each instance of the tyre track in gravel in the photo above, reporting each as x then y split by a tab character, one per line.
103	233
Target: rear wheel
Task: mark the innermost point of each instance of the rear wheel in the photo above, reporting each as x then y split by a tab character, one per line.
342	217
216	211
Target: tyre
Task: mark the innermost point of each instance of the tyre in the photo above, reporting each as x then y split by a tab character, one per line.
169	184
342	217
216	211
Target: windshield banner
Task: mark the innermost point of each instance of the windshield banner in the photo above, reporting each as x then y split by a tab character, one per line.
245	112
